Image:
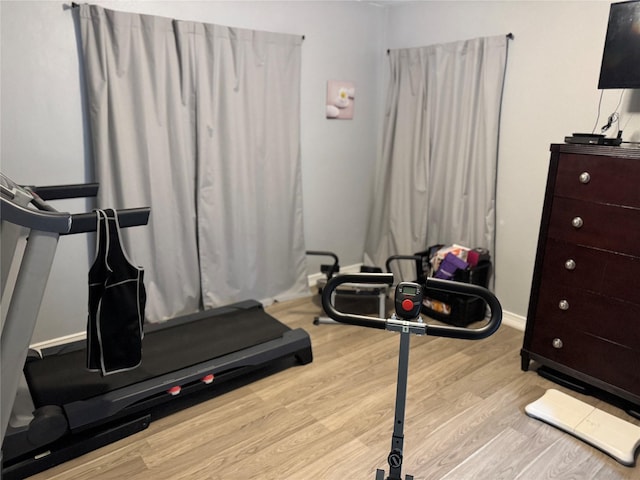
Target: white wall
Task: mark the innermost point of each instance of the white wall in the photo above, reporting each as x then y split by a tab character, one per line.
551	91
42	126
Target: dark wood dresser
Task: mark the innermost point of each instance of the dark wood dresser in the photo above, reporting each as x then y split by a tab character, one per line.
584	311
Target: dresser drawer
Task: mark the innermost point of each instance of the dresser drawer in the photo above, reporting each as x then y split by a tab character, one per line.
607	361
570	308
602	272
596	225
584	311
599	179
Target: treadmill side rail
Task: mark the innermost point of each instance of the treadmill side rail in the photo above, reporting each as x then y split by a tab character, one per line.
88	413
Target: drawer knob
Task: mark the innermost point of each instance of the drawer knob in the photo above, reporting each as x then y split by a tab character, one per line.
557	343
585	177
577	222
563	305
570	264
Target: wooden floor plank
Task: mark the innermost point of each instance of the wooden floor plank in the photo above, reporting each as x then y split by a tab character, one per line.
333	418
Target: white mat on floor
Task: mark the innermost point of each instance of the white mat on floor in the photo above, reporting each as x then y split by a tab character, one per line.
611	434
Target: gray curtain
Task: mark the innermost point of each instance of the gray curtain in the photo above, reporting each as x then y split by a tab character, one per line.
436	179
181	121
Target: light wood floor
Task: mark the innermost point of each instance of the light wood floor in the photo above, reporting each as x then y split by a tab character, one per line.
332	419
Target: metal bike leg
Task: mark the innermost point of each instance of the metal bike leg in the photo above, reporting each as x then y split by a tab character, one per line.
397	442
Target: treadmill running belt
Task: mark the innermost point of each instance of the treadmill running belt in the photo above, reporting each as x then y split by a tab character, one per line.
62	378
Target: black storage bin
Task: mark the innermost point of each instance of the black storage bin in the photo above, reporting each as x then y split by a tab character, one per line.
455	309
459	310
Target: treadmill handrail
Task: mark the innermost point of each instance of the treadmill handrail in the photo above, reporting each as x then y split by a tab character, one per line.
431	283
65	223
127	217
46	221
61	192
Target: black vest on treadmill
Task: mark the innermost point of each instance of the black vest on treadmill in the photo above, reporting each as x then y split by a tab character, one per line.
117	299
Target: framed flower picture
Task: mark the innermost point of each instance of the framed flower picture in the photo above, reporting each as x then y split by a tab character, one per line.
340	100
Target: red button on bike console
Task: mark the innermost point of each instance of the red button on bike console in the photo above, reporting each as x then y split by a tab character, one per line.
407	305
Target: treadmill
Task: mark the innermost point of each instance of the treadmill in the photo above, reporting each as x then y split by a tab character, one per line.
54	409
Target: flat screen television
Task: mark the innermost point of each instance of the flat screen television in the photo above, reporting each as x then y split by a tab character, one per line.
621	57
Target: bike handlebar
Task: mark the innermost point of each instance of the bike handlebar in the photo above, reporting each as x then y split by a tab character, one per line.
431	283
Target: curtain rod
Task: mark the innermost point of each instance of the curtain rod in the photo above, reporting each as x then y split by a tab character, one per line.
508	35
76	5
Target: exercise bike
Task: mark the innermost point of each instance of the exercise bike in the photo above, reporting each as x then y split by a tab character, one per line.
406	320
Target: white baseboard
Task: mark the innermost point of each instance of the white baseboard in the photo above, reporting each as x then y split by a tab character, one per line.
508	318
74	337
314	277
512	320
